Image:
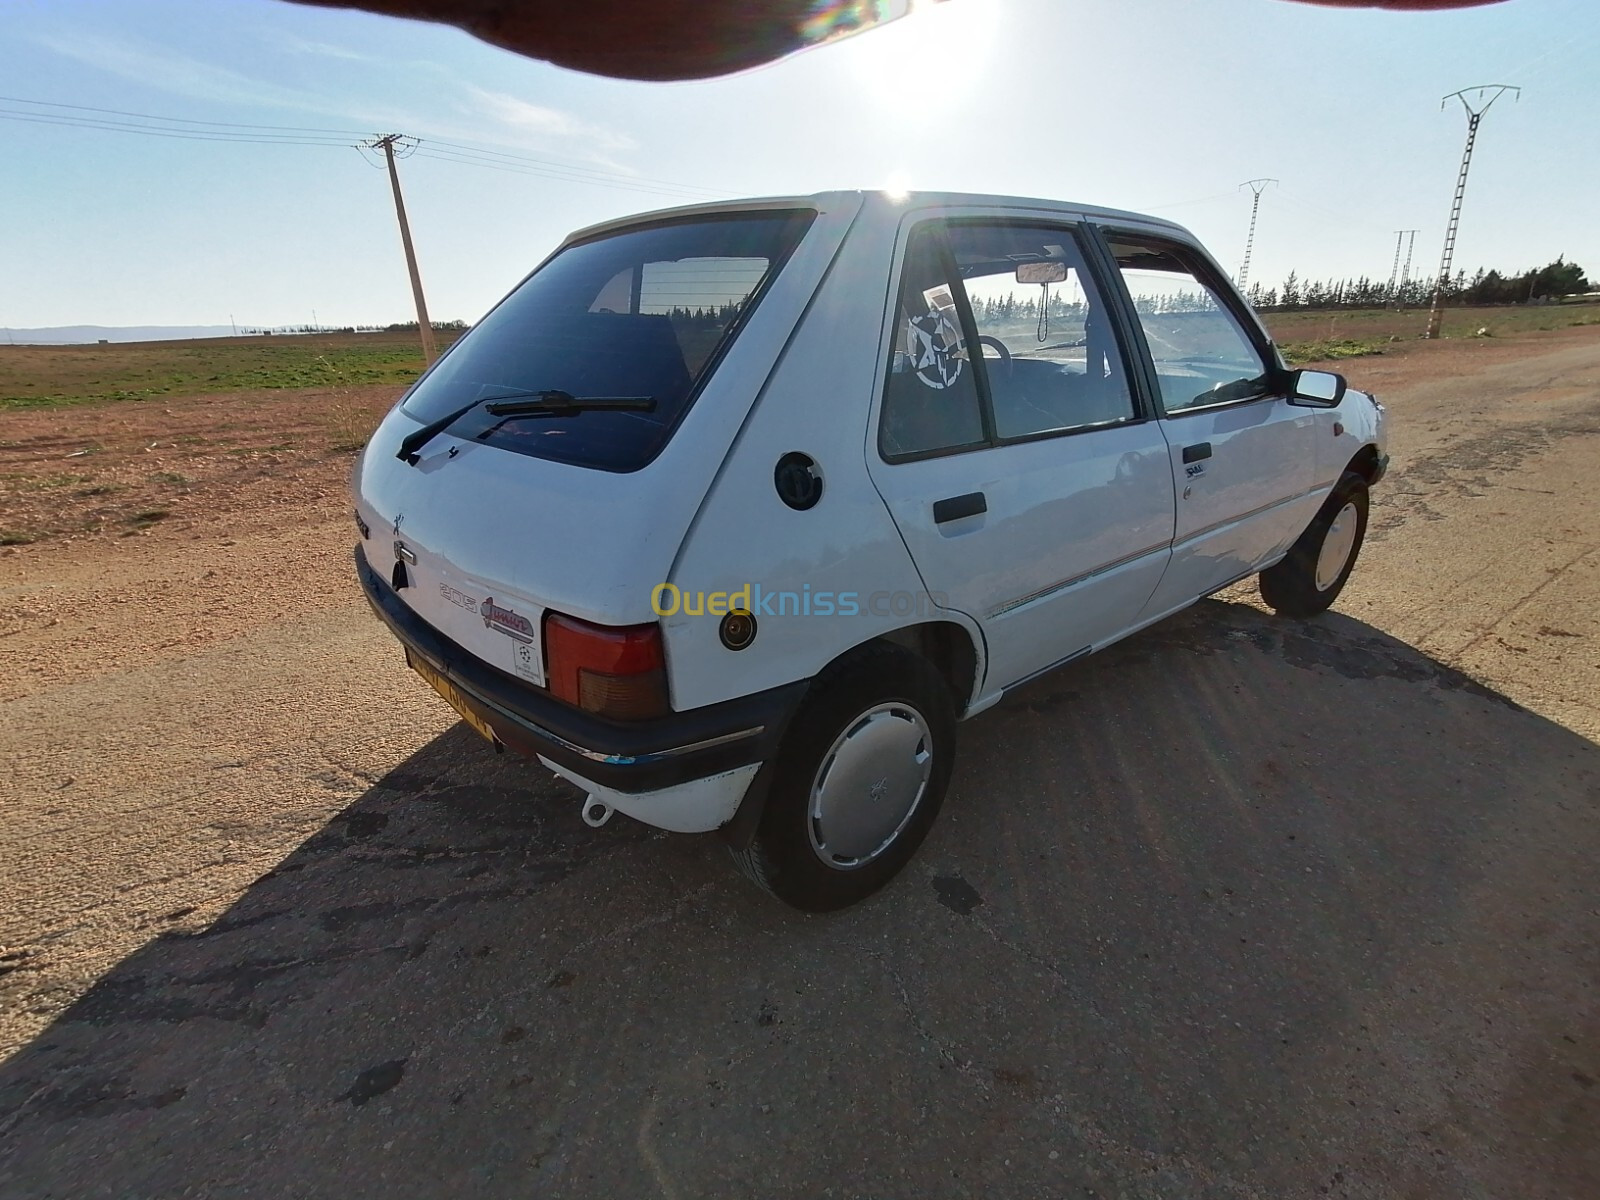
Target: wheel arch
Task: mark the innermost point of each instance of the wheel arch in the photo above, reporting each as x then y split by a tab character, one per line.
955	653
952	650
1367	463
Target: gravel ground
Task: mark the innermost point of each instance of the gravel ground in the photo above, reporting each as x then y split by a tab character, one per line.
1238	908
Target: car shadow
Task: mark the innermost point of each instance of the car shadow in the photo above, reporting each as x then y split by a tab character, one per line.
1237	907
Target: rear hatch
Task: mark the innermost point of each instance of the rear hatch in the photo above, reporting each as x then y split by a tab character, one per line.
635	354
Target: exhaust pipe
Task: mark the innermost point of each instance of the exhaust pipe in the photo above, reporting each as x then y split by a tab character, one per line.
596	812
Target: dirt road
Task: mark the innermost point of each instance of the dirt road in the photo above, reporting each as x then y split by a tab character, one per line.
1240	908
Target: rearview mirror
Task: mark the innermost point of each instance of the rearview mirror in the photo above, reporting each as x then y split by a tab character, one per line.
1316	389
1042	272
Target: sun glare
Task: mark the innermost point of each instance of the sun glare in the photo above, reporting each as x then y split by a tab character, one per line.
897	186
928	61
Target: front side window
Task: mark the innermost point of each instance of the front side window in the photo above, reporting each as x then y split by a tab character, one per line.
642	315
1202	354
1050	353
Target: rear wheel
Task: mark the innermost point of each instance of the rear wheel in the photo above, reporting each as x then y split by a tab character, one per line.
1314	572
857	782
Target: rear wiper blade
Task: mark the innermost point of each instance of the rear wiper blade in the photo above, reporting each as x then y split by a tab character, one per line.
516	404
559	404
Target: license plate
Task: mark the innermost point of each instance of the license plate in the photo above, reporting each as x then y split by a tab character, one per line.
452	695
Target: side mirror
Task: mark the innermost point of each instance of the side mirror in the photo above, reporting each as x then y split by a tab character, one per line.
1316	389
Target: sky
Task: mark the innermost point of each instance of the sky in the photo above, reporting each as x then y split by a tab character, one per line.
1160	106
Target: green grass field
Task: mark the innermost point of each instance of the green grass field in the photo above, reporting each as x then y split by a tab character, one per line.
49	376
1328	335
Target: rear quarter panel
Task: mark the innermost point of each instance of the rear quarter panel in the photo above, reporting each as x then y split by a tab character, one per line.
817	402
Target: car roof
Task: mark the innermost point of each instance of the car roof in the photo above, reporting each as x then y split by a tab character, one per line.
903	202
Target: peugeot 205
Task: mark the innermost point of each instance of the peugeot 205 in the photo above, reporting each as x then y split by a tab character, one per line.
730	514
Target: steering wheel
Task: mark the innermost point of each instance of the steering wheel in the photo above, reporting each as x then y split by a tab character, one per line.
996	344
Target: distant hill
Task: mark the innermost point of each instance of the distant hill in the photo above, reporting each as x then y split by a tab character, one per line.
66	335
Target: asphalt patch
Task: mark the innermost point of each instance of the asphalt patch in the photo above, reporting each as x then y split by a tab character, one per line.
375	1081
956	894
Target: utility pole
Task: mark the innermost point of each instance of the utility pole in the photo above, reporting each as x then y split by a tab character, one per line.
1475	113
424	326
1397	295
1256	186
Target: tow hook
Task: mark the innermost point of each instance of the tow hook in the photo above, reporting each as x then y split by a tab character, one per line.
596	812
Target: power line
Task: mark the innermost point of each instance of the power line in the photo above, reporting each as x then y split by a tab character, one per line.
194	135
111	120
621	182
1563	41
520	159
1187	203
117	112
1345	217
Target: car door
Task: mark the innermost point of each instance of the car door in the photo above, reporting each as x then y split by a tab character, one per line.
1032	490
1243	458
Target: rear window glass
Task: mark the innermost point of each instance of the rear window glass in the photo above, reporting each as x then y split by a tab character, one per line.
639	314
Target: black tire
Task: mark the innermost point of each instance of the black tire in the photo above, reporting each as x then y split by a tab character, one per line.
882	683
1291	588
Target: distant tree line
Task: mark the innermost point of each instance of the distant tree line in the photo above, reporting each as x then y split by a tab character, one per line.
994	310
407	327
398	327
1546	284
717	316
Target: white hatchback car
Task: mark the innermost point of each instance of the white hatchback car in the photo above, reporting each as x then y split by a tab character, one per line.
728	514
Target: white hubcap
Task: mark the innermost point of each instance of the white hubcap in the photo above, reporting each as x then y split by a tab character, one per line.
1336	547
869	784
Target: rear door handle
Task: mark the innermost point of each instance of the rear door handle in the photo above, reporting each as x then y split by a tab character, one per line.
1194	453
956	507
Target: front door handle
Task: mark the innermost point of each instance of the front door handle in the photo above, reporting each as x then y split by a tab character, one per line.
1196	452
956	507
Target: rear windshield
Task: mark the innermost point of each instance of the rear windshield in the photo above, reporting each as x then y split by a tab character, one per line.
640	314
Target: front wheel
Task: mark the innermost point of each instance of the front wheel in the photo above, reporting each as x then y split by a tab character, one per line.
857	783
1314	572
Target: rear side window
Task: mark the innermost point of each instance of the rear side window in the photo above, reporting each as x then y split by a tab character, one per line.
642	313
930	405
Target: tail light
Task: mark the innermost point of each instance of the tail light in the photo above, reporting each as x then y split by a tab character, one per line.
611	671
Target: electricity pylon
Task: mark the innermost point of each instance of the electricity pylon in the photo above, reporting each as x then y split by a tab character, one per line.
1257	186
1405	271
1475	114
1395	277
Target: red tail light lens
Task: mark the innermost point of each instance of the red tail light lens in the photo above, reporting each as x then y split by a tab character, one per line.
612	671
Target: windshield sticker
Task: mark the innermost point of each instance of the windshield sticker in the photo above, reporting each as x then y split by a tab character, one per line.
937	353
506	620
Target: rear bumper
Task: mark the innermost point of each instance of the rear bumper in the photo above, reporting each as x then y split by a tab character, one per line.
632	758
